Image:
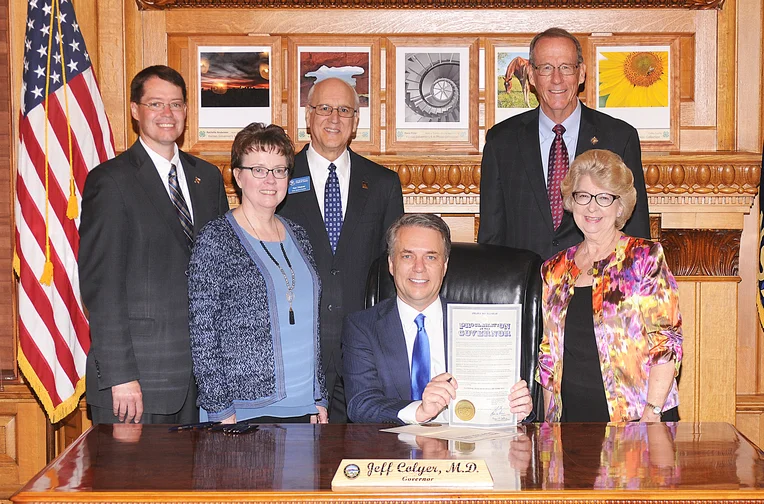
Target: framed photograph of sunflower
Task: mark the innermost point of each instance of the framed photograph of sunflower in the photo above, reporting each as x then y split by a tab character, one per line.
636	78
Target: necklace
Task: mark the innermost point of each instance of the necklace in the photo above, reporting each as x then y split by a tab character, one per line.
590	271
289	286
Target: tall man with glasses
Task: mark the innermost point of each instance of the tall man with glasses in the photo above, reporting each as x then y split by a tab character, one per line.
345	202
526	156
140	213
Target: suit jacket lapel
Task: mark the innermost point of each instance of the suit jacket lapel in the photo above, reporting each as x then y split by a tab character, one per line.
530	151
153	185
358	193
586	132
194	182
393	345
308	202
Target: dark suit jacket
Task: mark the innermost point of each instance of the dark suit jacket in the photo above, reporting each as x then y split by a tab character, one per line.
374	202
514	206
132	262
376	362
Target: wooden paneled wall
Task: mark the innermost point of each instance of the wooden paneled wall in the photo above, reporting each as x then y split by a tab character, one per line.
701	196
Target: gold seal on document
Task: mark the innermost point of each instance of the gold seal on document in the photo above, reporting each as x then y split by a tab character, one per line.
465	410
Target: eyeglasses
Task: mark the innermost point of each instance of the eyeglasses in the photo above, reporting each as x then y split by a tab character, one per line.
603	199
157	106
546	70
326	110
261	172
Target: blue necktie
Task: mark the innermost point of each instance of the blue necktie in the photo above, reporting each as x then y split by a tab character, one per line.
176	196
420	360
333	207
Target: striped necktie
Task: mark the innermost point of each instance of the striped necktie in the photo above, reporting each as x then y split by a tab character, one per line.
176	196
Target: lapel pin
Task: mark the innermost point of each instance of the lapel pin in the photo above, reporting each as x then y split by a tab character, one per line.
594	140
364	185
197	180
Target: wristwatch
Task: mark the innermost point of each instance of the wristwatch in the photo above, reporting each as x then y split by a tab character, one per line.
655	409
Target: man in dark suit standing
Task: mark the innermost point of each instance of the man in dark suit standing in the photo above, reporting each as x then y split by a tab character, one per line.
140	213
526	156
395	352
345	202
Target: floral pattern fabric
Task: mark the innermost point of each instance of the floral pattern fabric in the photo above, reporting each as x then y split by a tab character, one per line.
637	324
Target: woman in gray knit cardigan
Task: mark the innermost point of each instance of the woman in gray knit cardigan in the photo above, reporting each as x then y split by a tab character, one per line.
254	298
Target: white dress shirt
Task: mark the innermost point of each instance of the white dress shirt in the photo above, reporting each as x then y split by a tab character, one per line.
546	136
163	166
319	174
433	324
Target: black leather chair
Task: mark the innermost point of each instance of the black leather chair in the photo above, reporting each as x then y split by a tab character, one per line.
486	274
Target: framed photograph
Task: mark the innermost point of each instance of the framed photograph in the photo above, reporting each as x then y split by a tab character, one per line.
355	60
235	80
636	78
432	94
507	84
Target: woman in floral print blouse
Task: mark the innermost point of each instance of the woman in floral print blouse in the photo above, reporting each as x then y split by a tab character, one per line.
610	308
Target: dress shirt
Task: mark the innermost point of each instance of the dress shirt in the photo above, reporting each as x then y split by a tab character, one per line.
319	173
163	166
433	324
546	136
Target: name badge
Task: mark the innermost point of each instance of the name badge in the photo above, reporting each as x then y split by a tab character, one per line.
298	185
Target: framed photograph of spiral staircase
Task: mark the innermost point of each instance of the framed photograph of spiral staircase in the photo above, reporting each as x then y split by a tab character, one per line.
432	95
636	78
354	59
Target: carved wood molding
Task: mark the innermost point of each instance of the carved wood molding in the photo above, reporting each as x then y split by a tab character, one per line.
703	178
730	180
702	252
430	4
750	403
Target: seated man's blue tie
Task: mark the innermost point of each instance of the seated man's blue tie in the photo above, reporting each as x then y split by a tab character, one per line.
420	360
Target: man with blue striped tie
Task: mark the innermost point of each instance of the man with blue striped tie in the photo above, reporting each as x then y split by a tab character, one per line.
394	353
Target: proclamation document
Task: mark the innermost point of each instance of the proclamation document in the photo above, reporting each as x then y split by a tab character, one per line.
484	357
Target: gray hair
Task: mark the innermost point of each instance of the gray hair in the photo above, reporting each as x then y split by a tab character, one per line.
555	33
356	99
422	220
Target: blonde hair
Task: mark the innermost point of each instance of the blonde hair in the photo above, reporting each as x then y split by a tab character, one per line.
606	170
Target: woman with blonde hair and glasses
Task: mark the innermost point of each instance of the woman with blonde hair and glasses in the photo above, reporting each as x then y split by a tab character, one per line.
254	298
612	342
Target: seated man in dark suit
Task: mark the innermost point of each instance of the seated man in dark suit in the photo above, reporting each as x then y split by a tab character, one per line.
394	353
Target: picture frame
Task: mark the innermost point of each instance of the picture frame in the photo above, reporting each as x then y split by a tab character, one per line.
229	76
326	56
425	109
636	78
507	97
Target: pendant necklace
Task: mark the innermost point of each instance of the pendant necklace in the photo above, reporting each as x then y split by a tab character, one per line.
290	287
590	271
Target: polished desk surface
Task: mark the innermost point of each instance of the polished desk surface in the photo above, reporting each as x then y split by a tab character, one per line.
552	462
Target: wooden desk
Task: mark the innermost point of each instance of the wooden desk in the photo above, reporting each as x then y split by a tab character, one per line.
572	462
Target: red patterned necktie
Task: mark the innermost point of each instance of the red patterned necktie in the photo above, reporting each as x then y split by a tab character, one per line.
558	168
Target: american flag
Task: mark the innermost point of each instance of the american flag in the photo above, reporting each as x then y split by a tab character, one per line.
63	134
